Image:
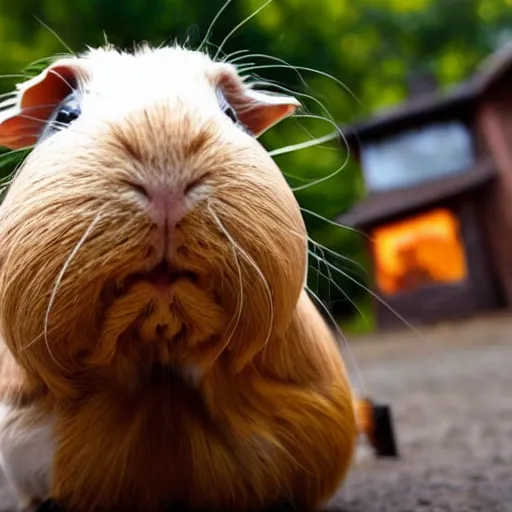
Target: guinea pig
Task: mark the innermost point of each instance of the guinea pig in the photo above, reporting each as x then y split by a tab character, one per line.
160	348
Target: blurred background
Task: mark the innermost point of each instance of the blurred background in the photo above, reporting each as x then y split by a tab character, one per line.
372	49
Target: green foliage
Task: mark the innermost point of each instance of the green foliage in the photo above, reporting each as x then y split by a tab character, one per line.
370	45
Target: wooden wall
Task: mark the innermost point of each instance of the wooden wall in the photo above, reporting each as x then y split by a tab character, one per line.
494	128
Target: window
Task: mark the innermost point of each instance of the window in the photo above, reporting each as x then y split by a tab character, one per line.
417	156
419	251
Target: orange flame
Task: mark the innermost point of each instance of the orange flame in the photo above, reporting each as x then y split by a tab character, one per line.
418	251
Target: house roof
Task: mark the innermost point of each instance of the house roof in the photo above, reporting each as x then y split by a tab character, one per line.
385	206
434	105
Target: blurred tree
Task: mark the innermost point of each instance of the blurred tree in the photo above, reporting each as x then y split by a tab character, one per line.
370	45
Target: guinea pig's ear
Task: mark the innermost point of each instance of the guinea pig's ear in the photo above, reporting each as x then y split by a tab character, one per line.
23	118
260	111
257	110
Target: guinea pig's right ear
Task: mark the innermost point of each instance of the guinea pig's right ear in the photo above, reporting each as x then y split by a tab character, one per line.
23	118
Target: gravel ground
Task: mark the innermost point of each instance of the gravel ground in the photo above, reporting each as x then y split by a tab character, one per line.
450	389
451	395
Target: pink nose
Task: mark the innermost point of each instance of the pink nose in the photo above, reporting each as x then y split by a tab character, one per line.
166	206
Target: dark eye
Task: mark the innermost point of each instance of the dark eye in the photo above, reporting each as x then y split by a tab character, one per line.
67	111
230	112
66	115
226	107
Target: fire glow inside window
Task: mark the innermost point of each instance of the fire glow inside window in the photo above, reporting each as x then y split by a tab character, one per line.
421	250
417	156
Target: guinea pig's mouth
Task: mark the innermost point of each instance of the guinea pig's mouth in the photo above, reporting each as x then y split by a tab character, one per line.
156	314
161	275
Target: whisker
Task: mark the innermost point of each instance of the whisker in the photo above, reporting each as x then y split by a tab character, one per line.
293	177
313	142
258	271
332	175
267	291
317	269
320	273
241	24
212	24
212	45
61	41
316	141
303	68
334	223
53	72
16	170
261	55
272	83
59	280
244	68
350	360
238	313
53	123
44	60
304	145
379	299
328	278
318	260
46	122
340	256
339	288
248	66
5	107
268	84
228	57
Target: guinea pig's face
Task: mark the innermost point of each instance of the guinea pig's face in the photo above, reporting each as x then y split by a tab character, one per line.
147	226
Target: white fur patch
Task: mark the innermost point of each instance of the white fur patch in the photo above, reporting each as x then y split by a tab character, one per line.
26	454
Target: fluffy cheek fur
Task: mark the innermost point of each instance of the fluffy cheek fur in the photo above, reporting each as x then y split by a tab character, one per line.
74	236
64	235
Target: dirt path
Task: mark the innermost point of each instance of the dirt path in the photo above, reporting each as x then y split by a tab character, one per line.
451	395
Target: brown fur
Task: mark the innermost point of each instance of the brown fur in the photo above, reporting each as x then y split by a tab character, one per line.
271	418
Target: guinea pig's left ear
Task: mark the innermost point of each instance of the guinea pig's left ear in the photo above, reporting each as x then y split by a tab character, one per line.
261	111
23	117
257	110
